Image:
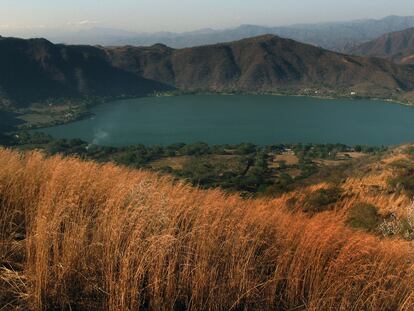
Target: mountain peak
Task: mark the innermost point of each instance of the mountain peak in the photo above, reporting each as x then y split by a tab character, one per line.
396	46
160	46
260	39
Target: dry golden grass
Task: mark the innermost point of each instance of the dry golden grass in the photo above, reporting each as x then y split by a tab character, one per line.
176	163
82	236
352	154
289	159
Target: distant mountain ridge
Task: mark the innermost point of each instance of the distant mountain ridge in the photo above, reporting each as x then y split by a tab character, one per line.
34	70
395	46
337	36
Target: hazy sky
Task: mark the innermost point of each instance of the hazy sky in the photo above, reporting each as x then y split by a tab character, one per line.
183	15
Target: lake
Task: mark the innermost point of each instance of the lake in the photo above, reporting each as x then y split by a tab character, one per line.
220	119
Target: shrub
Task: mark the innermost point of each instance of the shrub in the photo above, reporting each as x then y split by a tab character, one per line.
281	185
405	177
245	149
322	199
364	216
196	149
409	150
405	183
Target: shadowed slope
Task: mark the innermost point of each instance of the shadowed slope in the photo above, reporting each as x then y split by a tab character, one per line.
35	70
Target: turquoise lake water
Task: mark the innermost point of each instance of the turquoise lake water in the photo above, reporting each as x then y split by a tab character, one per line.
220	119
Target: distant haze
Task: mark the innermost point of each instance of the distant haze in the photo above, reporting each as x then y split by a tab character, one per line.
41	17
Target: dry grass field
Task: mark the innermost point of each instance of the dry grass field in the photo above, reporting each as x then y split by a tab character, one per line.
79	235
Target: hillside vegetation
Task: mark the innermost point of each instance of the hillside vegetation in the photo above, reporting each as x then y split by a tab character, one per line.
37	71
78	235
265	64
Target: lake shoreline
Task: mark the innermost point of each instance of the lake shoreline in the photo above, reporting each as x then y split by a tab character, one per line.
86	113
235	118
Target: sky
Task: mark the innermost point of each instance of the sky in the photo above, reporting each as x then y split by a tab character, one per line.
186	15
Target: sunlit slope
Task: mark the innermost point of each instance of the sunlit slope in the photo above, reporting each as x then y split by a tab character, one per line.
82	236
38	71
396	46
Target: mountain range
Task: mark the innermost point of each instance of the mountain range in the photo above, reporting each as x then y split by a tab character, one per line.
396	46
260	64
337	36
34	70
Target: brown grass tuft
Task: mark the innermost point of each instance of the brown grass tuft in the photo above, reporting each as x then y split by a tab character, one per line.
82	236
